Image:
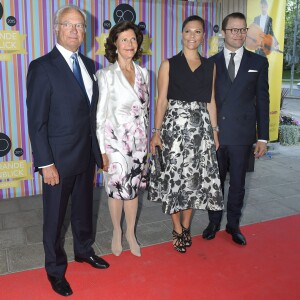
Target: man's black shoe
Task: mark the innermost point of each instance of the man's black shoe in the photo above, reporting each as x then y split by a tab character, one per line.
210	231
237	236
60	286
94	261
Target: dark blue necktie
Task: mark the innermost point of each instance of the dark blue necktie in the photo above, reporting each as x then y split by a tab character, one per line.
77	72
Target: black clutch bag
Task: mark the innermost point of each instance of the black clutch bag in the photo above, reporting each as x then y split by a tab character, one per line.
158	161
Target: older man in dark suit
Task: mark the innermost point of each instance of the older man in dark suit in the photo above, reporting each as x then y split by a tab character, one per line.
242	97
62	95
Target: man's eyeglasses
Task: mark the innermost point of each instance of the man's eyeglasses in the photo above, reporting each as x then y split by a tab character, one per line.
78	26
237	30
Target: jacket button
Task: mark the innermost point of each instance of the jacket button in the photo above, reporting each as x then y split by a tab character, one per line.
223	118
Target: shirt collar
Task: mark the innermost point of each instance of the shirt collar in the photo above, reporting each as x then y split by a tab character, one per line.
65	53
239	52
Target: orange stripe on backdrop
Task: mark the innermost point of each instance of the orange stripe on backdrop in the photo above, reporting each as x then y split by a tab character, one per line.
17	112
1	116
169	24
140	12
8	106
183	13
25	30
32	30
108	9
177	28
40	11
154	57
93	25
162	34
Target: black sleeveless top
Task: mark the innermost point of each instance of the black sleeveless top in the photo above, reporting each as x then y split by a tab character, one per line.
189	86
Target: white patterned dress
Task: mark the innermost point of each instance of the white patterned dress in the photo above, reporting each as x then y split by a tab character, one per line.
122	126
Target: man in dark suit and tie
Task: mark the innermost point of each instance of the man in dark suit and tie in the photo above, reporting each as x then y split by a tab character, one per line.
242	97
264	21
62	95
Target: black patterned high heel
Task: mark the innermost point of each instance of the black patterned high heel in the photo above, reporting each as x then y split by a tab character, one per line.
186	232
179	244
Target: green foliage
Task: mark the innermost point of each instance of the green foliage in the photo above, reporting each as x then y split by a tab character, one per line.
287	75
290	17
288	135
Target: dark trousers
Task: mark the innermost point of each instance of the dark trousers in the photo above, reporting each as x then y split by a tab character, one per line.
55	202
234	158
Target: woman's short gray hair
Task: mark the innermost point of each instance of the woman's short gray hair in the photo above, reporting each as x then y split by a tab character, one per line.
61	10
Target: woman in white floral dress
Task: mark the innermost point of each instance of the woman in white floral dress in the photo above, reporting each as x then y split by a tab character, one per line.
122	125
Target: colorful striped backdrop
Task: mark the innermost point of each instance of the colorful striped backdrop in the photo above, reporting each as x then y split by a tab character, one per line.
163	19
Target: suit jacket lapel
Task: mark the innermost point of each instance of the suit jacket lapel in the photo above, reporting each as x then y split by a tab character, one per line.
226	82
64	68
222	64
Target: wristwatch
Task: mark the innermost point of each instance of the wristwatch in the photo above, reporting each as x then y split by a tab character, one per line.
155	130
215	128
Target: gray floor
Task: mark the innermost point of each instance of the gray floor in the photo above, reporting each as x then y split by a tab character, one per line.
272	192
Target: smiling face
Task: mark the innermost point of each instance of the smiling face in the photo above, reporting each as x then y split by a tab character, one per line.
234	41
126	44
70	38
192	35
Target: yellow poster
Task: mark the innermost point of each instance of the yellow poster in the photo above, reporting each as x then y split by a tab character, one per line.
13	172
266	22
11	43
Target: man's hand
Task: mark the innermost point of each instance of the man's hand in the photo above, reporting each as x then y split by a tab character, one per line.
50	175
260	149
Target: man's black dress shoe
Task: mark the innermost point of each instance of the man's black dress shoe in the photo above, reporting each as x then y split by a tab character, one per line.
60	286
94	261
210	231
237	236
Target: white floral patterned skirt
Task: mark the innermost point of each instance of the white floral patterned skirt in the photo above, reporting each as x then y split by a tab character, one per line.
191	176
126	148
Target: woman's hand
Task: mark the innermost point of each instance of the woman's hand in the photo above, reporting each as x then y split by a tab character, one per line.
105	162
216	139
155	141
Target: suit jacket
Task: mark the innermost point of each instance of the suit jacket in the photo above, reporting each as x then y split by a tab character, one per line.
118	98
242	105
268	27
61	120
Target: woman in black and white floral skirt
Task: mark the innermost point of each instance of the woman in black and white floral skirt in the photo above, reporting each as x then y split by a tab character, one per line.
186	130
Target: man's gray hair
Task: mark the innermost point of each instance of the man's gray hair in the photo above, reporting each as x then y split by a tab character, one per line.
61	10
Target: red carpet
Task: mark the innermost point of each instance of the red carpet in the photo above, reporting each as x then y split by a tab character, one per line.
267	268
